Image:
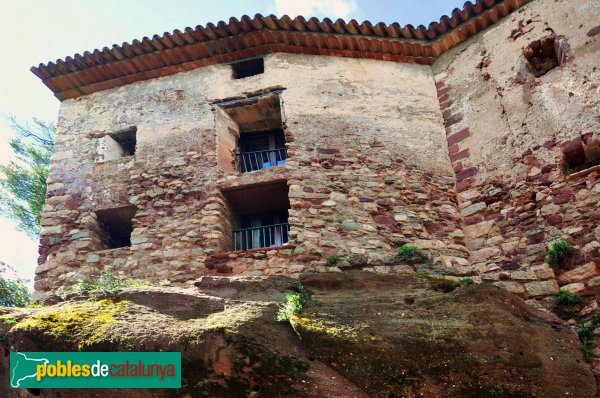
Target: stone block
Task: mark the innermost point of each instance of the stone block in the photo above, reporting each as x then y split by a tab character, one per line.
574	287
583	272
513	287
543	288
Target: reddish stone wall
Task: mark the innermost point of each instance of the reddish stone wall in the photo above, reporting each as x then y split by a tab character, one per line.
367	172
507	131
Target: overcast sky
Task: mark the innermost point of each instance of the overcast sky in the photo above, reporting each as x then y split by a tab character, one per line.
38	31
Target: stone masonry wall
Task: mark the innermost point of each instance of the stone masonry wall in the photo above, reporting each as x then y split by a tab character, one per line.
507	131
368	171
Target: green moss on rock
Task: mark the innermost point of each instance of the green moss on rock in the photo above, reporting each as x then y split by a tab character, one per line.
83	323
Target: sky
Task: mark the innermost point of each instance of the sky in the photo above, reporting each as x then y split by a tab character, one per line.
38	31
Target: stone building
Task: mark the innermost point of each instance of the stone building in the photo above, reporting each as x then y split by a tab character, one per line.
266	145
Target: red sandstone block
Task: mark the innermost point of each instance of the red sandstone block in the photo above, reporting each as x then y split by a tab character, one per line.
466	173
458	136
470	220
561	197
445	104
440	84
382	219
457	167
443	97
454	149
442	91
536	238
497	216
554	219
460	155
464	185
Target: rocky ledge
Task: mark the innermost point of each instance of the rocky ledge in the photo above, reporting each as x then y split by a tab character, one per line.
359	335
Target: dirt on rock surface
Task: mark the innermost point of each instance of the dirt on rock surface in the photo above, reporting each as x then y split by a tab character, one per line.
359	335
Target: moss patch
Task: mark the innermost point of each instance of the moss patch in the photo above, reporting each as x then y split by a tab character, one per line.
317	326
83	323
443	284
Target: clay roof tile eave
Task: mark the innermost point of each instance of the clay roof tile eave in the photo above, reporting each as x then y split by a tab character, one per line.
75	79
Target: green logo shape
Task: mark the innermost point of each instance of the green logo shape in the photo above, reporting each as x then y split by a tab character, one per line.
95	369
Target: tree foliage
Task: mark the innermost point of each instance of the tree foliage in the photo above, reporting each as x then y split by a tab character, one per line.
14	293
23	180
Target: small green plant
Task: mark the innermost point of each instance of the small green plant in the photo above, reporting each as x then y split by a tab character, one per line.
566	298
496	391
567	305
587	348
467	281
336	258
558	255
411	254
129	344
11	321
106	282
293	304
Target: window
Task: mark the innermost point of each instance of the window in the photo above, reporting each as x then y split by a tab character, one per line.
246	68
250	134
261	150
581	155
116	145
115	226
260	216
545	54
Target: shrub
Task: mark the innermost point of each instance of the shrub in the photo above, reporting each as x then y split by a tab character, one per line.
293	304
467	281
10	321
336	258
585	332
587	349
558	255
411	254
565	298
567	305
14	293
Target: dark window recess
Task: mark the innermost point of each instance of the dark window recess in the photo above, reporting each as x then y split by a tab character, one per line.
546	54
116	226
261	150
126	140
581	154
260	216
249	67
261	230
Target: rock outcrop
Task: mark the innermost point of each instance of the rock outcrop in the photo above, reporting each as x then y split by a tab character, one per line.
359	335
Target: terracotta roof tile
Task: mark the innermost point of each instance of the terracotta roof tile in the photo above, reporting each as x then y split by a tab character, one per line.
246	37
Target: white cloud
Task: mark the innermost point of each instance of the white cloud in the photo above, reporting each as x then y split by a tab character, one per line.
333	9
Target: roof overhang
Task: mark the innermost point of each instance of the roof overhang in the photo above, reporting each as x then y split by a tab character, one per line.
250	37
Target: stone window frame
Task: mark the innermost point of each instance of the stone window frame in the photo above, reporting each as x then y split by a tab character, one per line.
228	132
105	139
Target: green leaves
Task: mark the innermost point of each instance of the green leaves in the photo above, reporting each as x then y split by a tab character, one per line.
293	304
558	255
23	181
13	293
